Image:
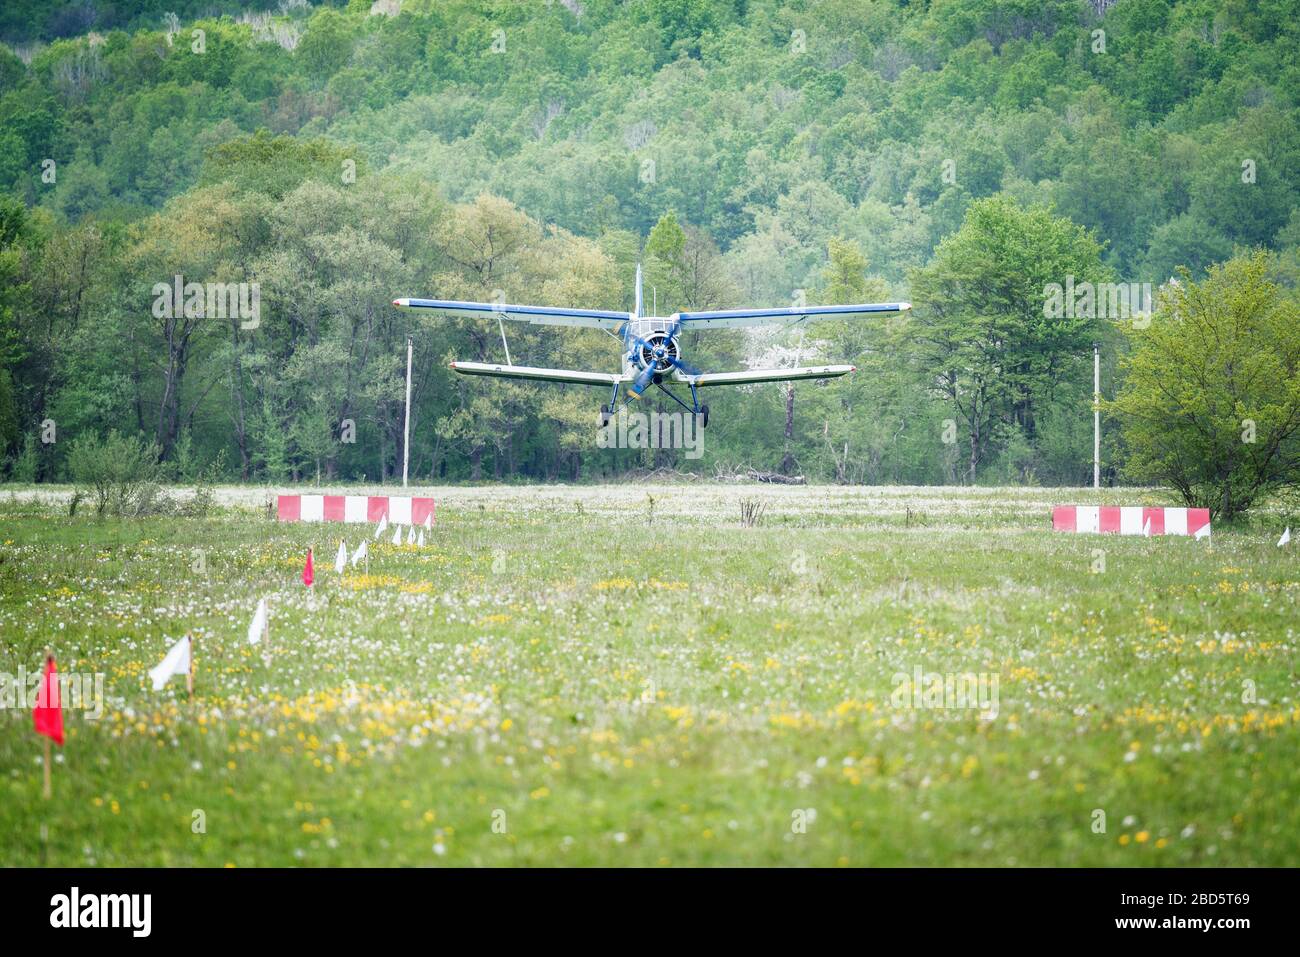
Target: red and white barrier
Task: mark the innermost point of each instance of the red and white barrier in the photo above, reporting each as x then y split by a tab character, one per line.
1131	520
400	509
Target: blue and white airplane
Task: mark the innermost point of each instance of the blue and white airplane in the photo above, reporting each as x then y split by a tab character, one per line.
651	355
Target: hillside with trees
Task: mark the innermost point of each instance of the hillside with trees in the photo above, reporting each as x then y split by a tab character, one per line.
961	154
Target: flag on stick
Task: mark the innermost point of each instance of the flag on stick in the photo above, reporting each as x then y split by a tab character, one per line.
176	662
397	535
1202	532
420	541
428	522
361	552
258	627
383	524
1146	529
307	575
341	559
1286	537
410	535
47	716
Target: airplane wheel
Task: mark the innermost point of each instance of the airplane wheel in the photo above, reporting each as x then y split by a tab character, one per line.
604	416
704	411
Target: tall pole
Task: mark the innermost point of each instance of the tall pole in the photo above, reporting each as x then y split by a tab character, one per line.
1096	415
406	430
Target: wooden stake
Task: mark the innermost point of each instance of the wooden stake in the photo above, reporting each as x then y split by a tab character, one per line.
49	655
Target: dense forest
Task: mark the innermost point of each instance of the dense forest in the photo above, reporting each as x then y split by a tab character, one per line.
961	154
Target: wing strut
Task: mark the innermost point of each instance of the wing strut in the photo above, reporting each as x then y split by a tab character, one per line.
502	326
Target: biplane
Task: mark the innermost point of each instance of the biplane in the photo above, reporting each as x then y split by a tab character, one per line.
652	351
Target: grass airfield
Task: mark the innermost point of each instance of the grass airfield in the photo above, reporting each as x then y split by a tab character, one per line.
626	675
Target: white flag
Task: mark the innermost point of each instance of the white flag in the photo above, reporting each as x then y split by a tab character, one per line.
177	662
341	559
420	541
257	628
397	535
1286	537
1146	529
410	535
1203	531
428	521
360	553
383	524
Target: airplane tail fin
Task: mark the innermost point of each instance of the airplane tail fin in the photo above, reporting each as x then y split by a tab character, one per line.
637	313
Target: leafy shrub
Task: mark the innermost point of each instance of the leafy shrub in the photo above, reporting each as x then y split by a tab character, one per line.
119	473
201	502
25	463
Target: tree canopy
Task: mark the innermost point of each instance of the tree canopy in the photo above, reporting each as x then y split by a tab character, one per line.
966	155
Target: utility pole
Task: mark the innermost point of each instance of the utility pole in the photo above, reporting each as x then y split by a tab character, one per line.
1096	415
406	432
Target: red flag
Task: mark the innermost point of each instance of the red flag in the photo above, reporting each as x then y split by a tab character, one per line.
307	576
48	713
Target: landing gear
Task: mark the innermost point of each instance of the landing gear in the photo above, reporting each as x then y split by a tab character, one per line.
694	408
607	411
701	410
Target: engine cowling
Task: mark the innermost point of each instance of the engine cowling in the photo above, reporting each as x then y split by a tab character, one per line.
656	351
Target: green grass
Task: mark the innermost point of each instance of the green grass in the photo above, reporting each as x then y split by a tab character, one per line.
621	682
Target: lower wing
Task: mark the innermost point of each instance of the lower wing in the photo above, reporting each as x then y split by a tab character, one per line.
765	375
529	372
609	378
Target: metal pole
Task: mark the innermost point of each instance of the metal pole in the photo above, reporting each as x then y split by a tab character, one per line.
1096	415
406	431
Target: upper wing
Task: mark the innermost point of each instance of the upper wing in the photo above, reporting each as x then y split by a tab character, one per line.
530	372
541	315
765	375
732	318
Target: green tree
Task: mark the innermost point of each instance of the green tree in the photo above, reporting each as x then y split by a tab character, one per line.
982	332
1211	401
9	430
665	266
327	44
871	426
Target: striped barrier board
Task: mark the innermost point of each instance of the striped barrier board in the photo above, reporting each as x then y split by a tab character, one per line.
1131	519
400	509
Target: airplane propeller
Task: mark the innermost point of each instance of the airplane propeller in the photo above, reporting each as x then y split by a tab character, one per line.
686	367
654	355
642	381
